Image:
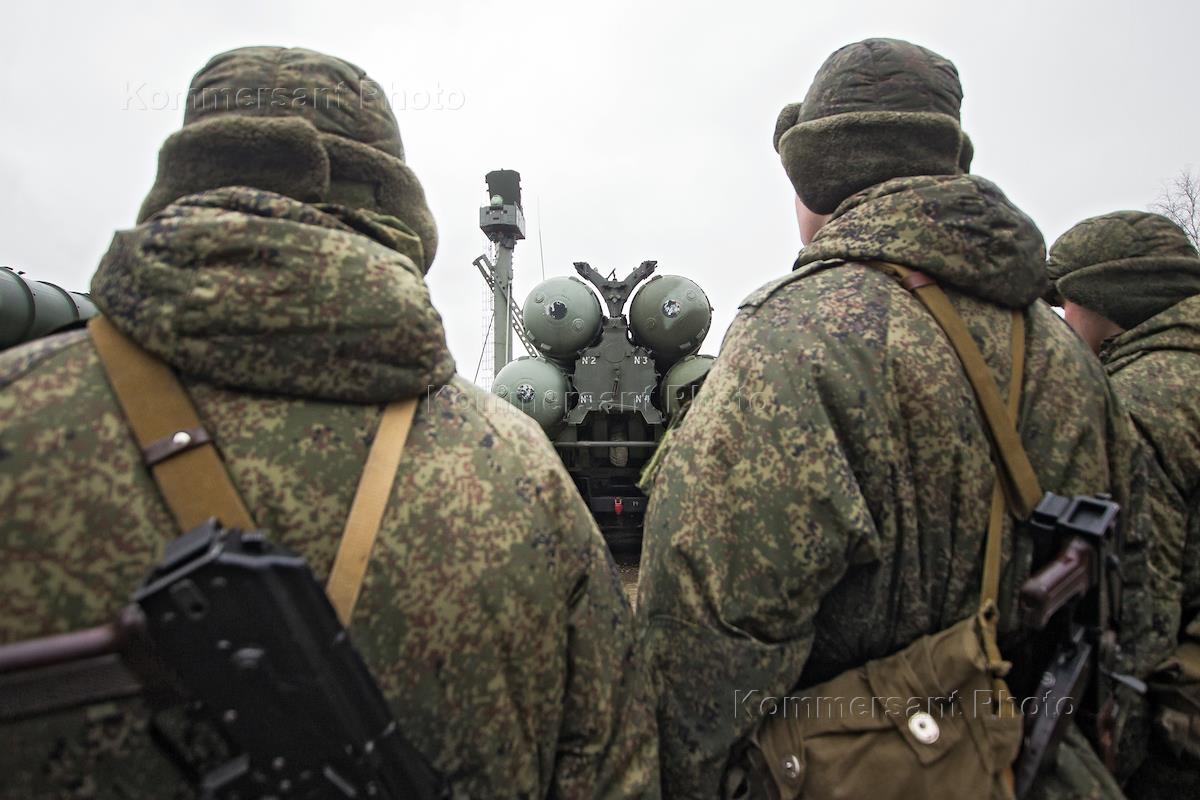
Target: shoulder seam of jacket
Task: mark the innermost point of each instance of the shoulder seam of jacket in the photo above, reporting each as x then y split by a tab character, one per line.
48	348
764	293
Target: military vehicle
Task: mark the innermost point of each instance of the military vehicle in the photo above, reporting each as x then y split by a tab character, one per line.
603	380
30	309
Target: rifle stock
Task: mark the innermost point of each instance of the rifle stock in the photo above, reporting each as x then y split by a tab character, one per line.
95	665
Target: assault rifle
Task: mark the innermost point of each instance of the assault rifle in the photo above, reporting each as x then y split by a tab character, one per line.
1071	605
239	628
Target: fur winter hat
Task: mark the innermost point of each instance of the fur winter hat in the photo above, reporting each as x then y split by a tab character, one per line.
298	123
1127	266
876	110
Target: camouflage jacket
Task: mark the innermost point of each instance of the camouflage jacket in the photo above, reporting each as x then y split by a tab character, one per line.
825	501
491	613
1155	370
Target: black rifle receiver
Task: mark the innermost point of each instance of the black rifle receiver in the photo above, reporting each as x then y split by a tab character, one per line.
240	629
252	635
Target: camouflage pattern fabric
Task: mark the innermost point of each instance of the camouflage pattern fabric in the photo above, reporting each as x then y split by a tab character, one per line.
491	614
825	500
1155	370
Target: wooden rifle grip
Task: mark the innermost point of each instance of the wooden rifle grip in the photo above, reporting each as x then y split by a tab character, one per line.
1067	577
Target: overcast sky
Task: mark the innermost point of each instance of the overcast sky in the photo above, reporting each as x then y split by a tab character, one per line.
642	130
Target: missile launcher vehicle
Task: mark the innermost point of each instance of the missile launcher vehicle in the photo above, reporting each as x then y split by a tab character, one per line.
616	416
612	363
605	386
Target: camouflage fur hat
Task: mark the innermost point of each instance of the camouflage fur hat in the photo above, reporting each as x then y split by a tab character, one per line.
876	110
298	123
1127	266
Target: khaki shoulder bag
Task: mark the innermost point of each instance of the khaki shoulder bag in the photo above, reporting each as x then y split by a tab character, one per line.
937	716
193	480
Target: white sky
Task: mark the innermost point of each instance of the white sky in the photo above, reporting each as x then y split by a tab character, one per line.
642	130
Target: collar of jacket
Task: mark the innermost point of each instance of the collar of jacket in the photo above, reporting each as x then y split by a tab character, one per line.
260	292
1176	329
958	229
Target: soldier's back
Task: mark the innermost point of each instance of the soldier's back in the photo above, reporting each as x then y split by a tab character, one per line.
483	567
830	488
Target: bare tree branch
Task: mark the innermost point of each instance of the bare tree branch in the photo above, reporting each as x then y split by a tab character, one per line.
1180	203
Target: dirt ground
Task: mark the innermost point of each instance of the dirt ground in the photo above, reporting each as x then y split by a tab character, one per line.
628	566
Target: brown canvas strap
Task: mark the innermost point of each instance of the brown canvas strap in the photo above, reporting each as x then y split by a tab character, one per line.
193	480
1022	487
179	452
370	501
1016	479
990	585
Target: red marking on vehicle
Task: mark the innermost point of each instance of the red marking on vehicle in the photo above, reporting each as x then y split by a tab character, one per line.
618	505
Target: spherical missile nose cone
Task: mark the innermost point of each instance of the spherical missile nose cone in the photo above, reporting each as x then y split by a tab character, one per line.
562	316
680	383
536	387
670	316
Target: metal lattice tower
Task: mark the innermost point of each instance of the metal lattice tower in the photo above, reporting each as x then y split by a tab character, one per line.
485	371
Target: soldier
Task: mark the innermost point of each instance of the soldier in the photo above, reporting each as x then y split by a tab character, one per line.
1129	284
278	267
825	502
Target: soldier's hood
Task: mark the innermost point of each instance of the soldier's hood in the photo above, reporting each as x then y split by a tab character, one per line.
1176	329
256	291
959	229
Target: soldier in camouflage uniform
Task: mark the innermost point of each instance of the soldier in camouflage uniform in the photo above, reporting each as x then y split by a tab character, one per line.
1129	283
278	266
826	499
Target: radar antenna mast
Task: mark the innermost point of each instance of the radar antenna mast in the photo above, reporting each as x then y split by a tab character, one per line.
502	220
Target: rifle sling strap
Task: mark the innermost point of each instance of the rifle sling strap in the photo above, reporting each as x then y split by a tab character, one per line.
1021	487
1016	479
180	454
370	501
193	480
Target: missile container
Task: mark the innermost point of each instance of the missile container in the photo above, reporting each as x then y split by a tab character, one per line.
562	316
537	387
31	309
670	316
